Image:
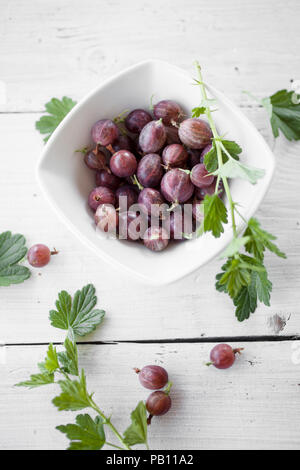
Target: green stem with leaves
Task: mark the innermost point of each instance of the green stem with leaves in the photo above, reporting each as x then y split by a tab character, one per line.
218	144
105	419
109	424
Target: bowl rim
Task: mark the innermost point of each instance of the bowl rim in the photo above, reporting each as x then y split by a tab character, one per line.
224	240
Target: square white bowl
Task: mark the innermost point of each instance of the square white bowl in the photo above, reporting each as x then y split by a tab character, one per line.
66	181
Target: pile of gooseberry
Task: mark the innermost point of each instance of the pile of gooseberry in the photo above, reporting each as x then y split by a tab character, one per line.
156	163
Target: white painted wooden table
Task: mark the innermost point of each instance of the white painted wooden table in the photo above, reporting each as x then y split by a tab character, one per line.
52	48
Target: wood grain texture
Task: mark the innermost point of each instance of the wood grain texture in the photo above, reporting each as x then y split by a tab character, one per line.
188	308
53	48
67	47
250	406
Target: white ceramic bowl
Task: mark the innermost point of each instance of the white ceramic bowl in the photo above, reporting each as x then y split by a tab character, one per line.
66	181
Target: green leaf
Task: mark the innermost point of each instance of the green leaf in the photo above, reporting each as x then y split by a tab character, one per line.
196	112
260	240
234	247
246	300
36	380
57	111
215	215
14	275
69	358
284	113
250	263
83	318
12	251
80	315
211	158
233	277
51	361
60	318
86	434
74	395
245	279
234	169
136	433
263	287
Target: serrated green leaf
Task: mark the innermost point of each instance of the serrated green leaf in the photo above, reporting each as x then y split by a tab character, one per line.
12	251
196	112
234	277
14	275
235	169
57	109
250	263
136	433
80	315
215	215
51	361
37	380
263	287
74	395
211	157
86	434
69	358
246	300
60	318
83	318
284	113
260	240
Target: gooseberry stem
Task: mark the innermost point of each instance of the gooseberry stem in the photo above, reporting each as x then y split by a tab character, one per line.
109	424
168	388
218	144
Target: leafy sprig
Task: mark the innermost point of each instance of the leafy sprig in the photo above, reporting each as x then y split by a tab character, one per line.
243	276
86	434
57	111
12	252
79	317
283	108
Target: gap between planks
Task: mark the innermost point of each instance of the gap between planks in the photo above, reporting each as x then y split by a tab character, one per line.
213	339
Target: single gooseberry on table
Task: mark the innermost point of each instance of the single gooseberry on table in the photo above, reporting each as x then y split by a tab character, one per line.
158	403
152	377
39	255
222	356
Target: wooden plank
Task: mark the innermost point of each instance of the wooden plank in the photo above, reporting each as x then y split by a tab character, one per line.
69	47
189	308
253	405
